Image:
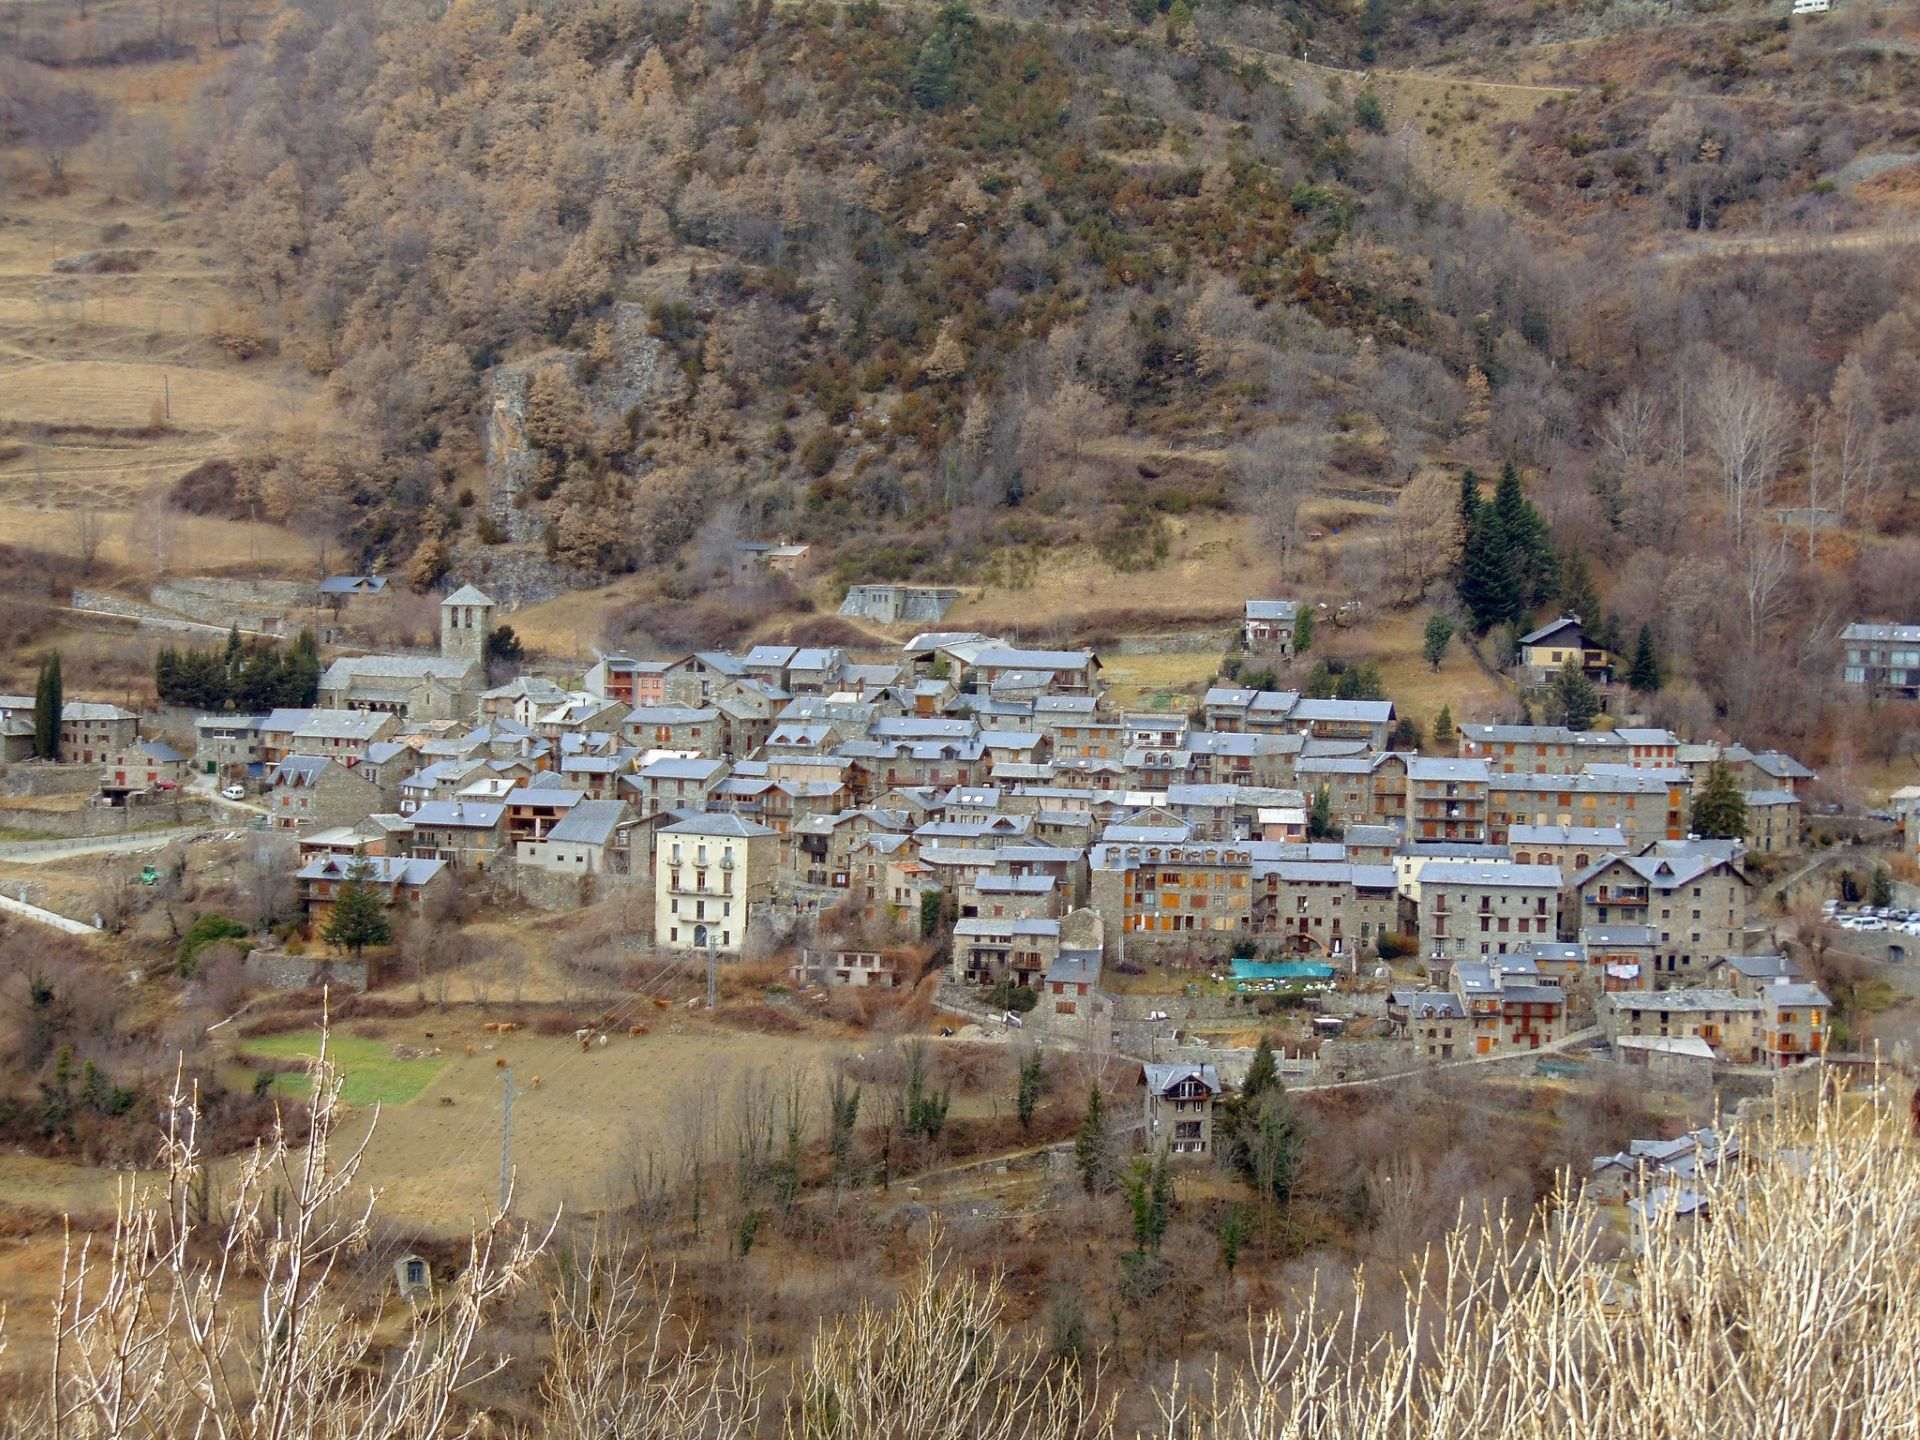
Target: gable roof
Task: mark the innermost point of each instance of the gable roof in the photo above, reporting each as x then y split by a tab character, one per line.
1553	627
468	595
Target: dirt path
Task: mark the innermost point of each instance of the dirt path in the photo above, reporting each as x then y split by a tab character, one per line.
1721	246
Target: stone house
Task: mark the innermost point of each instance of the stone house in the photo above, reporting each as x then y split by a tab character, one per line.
228	746
1728	1022
404	882
634	683
342	735
987	951
1435	1021
1794	1021
89	730
1644	805
1695	903
674	727
674	782
1178	1107
1160	891
1267	626
590	839
1324	908
146	767
1472	911
1774	822
311	790
1446	799
468	835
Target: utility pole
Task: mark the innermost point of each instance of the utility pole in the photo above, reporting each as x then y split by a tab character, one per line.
713	974
506	1138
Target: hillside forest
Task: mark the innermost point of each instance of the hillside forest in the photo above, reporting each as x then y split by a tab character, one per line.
949	292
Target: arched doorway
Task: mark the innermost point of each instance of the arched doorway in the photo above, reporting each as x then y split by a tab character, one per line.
699	937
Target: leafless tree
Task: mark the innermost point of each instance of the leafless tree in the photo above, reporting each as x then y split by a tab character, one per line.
87	527
1276	470
52	117
1746	424
266	879
153	1336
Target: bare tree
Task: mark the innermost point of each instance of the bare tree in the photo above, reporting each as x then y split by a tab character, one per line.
1844	456
51	117
87	528
1276	470
155	1337
1746	424
266	879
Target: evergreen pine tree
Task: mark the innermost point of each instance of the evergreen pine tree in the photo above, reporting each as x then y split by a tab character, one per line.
1263	1072
1469	502
1526	549
1719	806
1486	581
359	917
1439	635
1577	595
1093	1147
1027	1096
1571	699
46	718
234	658
1644	675
1303	630
1443	728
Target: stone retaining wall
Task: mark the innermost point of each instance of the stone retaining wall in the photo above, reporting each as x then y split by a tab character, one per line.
94	823
40	778
278	969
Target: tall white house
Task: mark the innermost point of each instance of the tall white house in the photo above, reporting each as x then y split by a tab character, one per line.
709	871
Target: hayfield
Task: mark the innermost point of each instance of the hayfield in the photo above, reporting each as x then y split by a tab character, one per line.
373	1074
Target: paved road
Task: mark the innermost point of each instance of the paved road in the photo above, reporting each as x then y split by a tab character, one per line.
34	913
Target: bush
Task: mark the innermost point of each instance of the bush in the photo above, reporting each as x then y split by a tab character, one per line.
1392	945
820	452
1008	995
206	930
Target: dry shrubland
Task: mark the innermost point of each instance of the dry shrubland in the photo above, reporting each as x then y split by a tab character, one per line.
1792	1309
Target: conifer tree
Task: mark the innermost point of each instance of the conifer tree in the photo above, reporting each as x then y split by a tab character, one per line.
1719	807
49	703
1571	699
359	918
1443	728
1644	674
1093	1147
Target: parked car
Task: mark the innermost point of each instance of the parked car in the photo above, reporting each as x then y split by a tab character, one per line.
234	792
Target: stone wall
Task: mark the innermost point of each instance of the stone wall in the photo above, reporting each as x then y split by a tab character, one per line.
92	822
37	778
893	604
281	971
149	617
1179	642
275	606
554	890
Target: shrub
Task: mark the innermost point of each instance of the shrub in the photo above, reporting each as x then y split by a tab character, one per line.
1010	995
1392	945
820	452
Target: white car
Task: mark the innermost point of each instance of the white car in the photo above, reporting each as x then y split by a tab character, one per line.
234	792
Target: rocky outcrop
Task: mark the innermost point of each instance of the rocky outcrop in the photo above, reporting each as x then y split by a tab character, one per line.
641	375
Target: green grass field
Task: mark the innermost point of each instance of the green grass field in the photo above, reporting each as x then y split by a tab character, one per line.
371	1075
